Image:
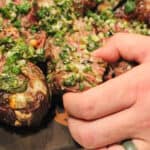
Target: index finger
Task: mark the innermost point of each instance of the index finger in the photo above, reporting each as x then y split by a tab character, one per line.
131	47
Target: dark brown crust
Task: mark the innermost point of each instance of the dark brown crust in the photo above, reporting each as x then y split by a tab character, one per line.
40	109
7	115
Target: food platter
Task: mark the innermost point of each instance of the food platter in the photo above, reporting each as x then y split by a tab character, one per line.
46	49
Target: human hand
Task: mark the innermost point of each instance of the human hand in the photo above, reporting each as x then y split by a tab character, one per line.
119	109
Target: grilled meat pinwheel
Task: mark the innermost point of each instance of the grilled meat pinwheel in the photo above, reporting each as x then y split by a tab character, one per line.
74	71
24	99
71	66
135	9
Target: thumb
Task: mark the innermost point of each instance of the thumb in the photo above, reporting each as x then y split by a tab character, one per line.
131	47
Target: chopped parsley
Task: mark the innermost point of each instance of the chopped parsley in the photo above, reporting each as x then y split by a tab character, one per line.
57	18
14	12
12	84
59	21
70	81
130	6
17	53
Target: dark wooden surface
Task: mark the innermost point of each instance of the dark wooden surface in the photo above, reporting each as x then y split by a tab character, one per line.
52	137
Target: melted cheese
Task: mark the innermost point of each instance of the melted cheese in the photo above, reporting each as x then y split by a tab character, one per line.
22	117
18	101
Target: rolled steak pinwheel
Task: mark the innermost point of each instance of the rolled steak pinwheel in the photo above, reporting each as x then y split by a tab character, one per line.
71	66
24	96
80	71
135	9
24	99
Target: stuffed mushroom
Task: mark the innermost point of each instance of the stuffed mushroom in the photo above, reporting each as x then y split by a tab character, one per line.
24	96
24	99
71	66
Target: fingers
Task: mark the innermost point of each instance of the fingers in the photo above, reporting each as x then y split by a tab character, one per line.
112	96
103	132
131	47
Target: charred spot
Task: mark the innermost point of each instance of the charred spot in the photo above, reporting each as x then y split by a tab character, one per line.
43	67
40	97
7	115
3	98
